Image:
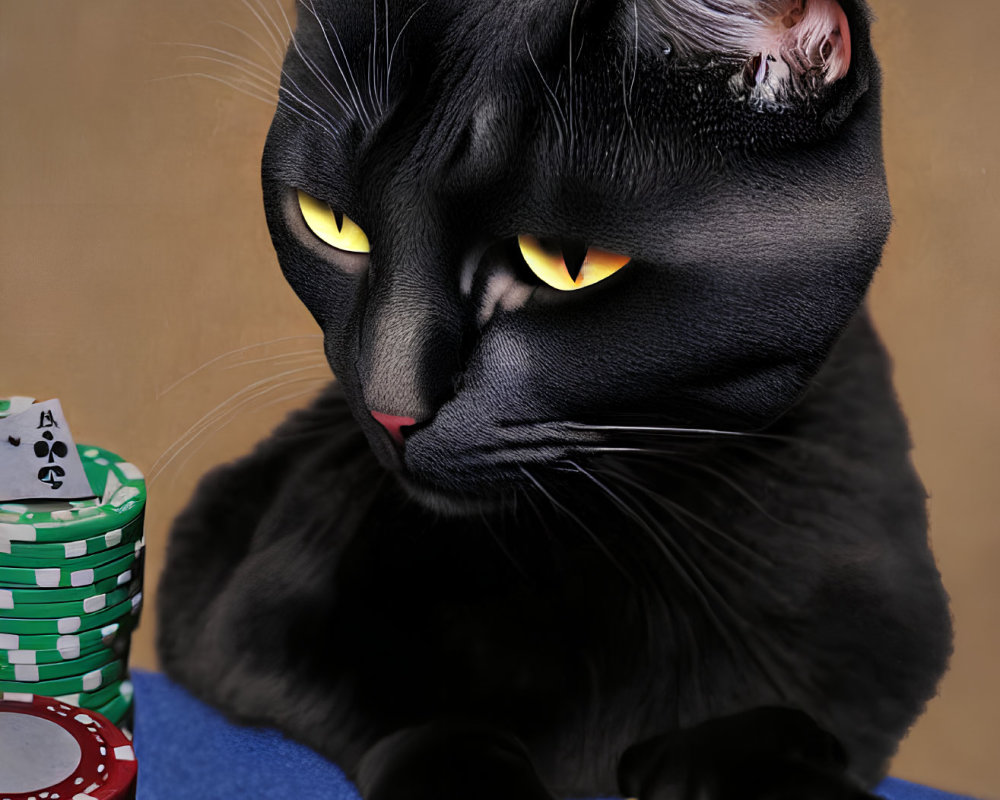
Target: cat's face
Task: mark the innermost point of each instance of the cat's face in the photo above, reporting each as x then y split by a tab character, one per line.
538	216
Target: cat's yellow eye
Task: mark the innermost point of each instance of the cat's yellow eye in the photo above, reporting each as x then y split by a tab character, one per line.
336	229
567	267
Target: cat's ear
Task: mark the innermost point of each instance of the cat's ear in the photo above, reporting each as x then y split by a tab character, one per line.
804	36
784	43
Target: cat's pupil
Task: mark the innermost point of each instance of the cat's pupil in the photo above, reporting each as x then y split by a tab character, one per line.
574	253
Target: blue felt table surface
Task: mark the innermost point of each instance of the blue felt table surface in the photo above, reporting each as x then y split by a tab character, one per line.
188	750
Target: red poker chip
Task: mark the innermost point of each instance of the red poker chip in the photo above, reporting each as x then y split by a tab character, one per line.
56	751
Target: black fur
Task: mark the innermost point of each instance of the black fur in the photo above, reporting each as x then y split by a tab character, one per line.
672	513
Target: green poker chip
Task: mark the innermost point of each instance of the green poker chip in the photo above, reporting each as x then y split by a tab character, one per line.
9	405
88	682
117	710
65	577
76	624
103	696
82	641
12	597
70	588
120	497
70	652
72	608
25	553
33	673
78	563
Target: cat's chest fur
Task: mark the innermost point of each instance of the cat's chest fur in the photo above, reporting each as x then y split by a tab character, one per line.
304	589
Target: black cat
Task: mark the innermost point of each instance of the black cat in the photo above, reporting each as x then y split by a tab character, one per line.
612	494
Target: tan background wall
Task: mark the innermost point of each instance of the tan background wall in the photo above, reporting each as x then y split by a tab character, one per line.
133	253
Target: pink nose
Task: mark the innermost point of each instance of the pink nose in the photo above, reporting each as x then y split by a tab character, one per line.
393	424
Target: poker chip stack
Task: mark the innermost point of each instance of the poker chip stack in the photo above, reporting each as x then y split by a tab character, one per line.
71	590
49	749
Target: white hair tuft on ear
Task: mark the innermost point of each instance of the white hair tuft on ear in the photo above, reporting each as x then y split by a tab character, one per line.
784	40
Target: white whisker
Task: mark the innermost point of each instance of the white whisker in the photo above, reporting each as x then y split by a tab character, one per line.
248	63
399	36
665	429
583	526
572	21
292	109
234	352
279	357
354	94
249	89
272	33
251	78
321	382
385	91
550	94
233	415
271	56
300	97
206	420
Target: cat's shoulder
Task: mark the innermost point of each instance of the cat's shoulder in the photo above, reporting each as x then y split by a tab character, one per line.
285	474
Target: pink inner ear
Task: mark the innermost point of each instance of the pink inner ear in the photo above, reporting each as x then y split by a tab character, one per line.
811	34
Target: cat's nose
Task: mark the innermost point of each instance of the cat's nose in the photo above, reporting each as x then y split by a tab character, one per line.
394	424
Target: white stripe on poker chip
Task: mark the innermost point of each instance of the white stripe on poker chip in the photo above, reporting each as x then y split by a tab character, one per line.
111	485
47	578
129	470
92	680
27	673
86	719
68	624
14	508
8	641
74	549
18	697
93	452
6	598
62	515
124	753
107	630
112	538
21	656
95	603
126	689
136	600
123	495
68	647
69	699
125	577
15	532
82	577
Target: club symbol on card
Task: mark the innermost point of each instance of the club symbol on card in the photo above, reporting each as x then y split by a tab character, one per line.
50	474
50	448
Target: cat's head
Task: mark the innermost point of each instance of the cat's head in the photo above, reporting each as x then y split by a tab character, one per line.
518	223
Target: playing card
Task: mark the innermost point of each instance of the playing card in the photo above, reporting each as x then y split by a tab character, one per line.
38	457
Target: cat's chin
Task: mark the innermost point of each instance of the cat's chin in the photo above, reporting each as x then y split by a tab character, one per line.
448	503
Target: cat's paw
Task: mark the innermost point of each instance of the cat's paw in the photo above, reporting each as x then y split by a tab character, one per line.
447	761
763	754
